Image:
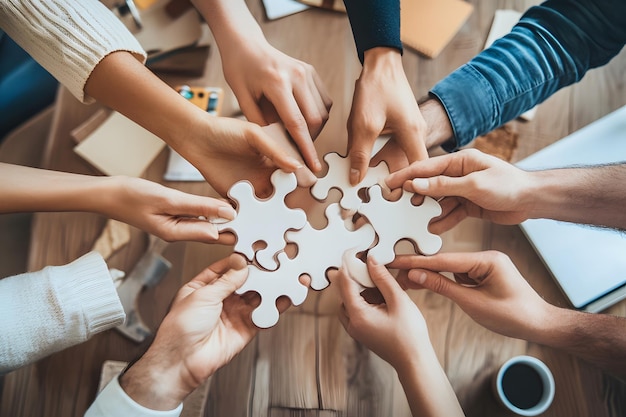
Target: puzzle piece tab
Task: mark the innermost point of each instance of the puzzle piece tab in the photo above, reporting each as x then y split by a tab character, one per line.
397	220
338	177
264	220
319	250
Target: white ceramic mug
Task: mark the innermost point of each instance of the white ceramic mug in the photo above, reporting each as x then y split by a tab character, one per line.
525	386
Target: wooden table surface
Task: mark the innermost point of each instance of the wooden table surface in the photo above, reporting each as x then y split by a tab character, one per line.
307	365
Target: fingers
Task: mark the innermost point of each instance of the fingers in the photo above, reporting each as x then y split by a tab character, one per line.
266	146
361	139
289	110
385	282
350	292
450	165
438	283
230	281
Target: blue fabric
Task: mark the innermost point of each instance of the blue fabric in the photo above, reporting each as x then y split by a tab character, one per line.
551	47
25	87
374	23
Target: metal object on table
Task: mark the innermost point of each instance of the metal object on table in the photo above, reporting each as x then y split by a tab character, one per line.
148	272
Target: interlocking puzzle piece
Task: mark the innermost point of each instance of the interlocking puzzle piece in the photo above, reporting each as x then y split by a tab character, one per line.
319	250
338	177
272	284
264	220
397	220
357	269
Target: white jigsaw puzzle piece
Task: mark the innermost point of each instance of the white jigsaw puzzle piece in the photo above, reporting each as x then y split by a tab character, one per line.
271	285
397	220
319	250
264	220
357	269
338	177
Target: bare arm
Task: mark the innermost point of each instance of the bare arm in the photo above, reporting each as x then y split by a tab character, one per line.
396	331
164	212
490	289
269	85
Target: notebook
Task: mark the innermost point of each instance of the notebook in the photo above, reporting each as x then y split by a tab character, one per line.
428	26
588	263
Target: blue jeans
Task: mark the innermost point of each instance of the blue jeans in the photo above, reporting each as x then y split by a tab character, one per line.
25	87
551	47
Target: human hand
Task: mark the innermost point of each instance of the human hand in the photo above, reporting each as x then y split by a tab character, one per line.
272	86
206	327
383	102
395	330
474	184
488	288
164	212
228	150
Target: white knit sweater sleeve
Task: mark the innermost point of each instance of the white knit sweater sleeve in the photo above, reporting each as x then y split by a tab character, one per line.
60	306
67	37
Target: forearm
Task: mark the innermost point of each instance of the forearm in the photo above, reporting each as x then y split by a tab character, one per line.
26	189
551	47
231	23
590	195
125	85
597	338
427	388
374	23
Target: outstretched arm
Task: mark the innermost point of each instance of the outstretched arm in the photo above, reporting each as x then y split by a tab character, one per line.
207	326
489	289
162	211
269	85
396	331
553	45
473	185
383	101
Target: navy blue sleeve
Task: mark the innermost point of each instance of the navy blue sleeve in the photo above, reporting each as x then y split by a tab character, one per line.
551	47
374	23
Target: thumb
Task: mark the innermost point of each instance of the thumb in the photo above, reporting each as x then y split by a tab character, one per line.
227	284
437	283
441	186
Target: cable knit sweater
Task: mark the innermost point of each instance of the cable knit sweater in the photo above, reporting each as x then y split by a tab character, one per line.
67	37
60	306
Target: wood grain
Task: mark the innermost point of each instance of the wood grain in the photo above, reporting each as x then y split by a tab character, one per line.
307	365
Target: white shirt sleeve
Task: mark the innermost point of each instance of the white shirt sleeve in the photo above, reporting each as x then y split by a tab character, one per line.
60	306
67	37
114	402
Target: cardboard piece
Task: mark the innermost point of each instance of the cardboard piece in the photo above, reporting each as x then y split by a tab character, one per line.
503	22
275	9
428	26
119	146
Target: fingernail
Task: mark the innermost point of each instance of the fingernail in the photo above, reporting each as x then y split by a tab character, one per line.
227	213
420	183
317	165
417	276
372	260
355	175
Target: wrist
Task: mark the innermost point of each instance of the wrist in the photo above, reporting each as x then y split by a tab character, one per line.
439	127
155	383
382	57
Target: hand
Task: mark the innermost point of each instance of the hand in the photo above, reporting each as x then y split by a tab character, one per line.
227	150
395	330
488	288
164	212
383	103
206	327
479	185
271	86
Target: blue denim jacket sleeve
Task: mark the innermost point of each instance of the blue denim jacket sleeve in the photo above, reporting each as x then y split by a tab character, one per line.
374	23
552	46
